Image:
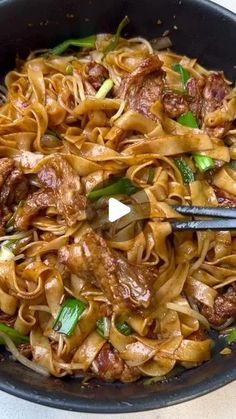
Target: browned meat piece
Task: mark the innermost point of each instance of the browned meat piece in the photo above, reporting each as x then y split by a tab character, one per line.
174	104
34	203
230	294
60	189
225	199
15	188
194	90
144	85
1	223
63	180
6	166
125	285
97	74
105	310
89	89
198	335
25	349
220	131
7	319
108	366
224	307
214	92
206	95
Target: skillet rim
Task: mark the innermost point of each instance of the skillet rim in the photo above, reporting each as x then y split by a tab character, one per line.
26	392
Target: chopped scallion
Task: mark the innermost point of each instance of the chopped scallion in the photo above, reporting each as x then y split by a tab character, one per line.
104	89
185	170
232	336
151	174
188	120
103	326
232	164
88	42
6	254
68	316
10	222
123	328
15	336
185	76
69	69
203	163
52	132
123	186
115	39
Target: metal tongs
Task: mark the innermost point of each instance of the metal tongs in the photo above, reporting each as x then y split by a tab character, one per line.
225	218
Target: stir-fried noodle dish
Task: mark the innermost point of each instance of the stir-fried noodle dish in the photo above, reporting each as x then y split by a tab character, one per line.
106	116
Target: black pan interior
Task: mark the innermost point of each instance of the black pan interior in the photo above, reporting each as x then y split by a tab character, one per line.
202	30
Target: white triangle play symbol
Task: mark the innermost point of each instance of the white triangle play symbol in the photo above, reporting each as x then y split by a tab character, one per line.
116	209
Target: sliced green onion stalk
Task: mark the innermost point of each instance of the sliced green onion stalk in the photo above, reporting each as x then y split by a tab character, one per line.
103	326
185	76
68	316
232	336
69	69
232	164
87	42
175	372
185	170
153	380
14	243
115	39
123	186
151	174
10	222
123	328
15	336
104	89
203	163
188	120
52	132
5	254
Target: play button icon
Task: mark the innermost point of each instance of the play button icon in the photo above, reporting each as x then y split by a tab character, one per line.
117	210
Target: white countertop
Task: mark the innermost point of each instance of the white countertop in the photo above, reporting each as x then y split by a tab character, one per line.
220	404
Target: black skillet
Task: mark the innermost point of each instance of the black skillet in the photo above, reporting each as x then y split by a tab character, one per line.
197	28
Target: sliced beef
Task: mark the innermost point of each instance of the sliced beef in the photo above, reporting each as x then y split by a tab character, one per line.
6	166
97	74
144	85
25	349
15	188
231	292
2	222
125	285
108	366
214	92
194	90
60	189
225	199
206	95
198	335
220	131
59	177
174	105
7	319
224	307
36	202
